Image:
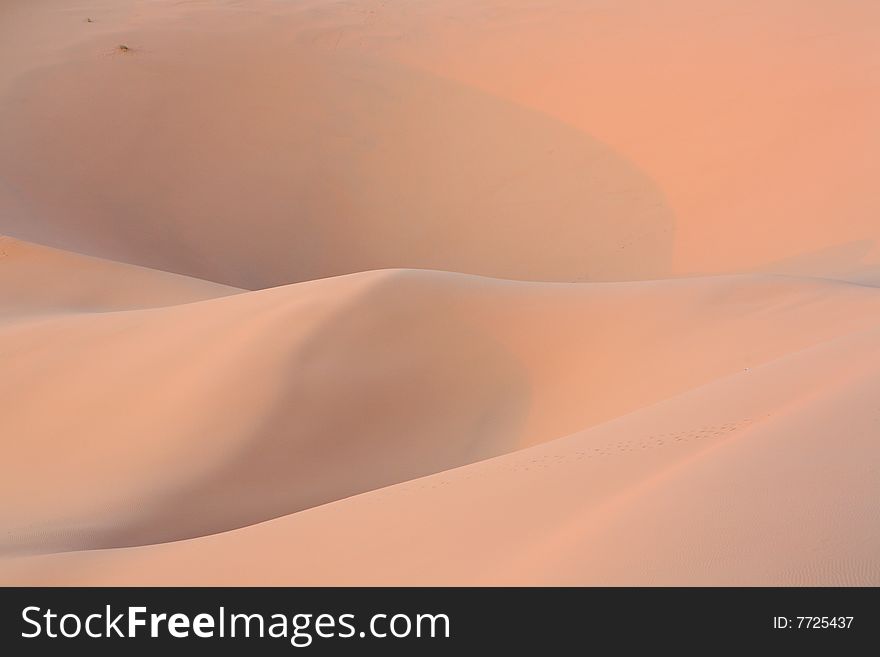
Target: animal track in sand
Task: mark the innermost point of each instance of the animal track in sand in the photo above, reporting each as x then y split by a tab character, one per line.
618	448
634	445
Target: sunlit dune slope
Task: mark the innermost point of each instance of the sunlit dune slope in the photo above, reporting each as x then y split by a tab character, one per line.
765	477
207	416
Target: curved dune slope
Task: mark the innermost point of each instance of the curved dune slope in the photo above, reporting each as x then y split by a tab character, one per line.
723	484
239	409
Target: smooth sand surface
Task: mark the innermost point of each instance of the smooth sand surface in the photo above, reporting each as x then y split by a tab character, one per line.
453	292
37	280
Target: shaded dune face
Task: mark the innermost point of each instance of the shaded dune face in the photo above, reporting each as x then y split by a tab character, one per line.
255	160
384	390
351	386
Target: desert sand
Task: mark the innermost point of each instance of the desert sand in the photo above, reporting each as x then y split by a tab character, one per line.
461	292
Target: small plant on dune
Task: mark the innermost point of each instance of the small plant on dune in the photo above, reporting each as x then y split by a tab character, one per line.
123	48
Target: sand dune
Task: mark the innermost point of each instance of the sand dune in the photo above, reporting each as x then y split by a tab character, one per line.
716	486
276	142
37	280
460	292
354	383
